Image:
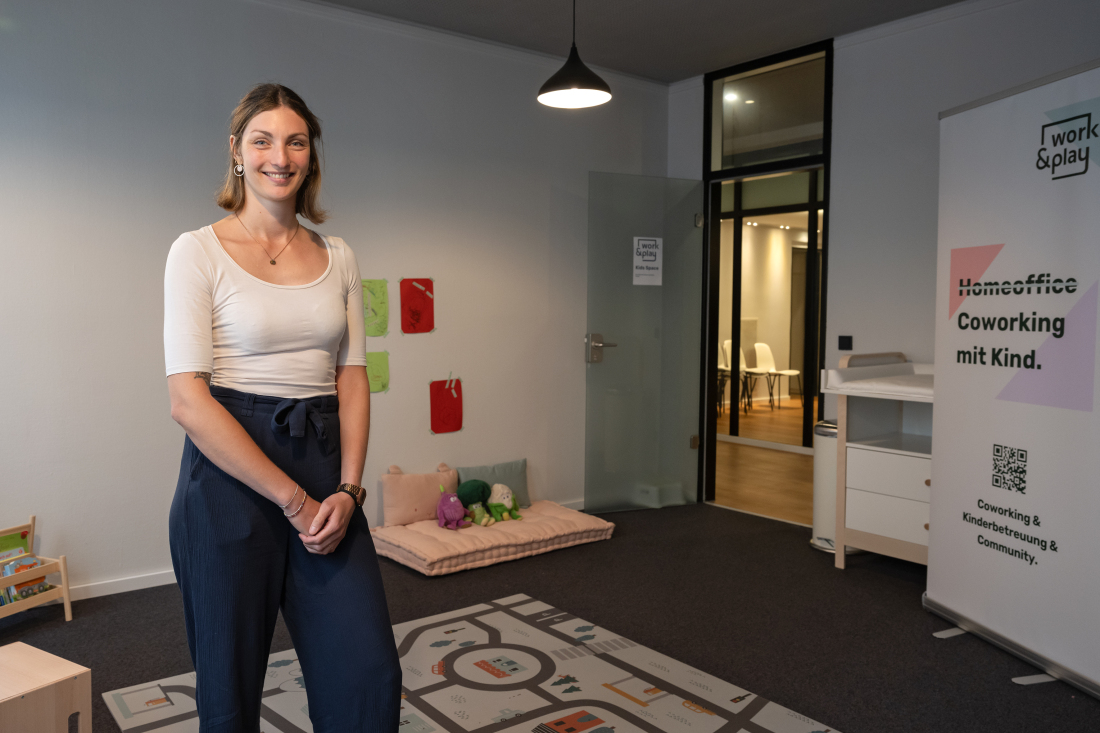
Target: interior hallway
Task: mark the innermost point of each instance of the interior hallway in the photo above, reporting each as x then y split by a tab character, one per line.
768	482
781	425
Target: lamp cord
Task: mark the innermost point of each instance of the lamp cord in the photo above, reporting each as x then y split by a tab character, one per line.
574	22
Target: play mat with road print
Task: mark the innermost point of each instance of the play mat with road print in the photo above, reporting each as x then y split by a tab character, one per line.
515	665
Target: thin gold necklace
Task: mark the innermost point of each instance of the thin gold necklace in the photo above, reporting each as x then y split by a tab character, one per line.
292	236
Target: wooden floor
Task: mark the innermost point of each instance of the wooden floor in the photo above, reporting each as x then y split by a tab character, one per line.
769	482
781	425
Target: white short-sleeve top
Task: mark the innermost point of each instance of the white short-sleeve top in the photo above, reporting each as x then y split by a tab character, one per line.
254	336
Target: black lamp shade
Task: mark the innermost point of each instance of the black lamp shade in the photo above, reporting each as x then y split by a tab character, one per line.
574	85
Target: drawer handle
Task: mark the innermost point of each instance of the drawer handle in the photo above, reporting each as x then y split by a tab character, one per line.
927	482
926	526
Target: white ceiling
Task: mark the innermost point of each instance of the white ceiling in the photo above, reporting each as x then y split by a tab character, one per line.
663	40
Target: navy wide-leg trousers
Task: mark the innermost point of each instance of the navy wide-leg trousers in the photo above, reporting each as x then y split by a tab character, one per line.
238	560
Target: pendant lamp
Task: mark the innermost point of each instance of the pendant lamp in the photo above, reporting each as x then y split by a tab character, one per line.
575	85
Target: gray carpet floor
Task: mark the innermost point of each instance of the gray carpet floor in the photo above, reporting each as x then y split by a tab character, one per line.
743	598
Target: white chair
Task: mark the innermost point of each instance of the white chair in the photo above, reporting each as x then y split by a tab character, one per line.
724	373
749	377
765	360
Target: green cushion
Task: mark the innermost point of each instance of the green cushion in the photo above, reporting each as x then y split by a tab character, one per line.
512	474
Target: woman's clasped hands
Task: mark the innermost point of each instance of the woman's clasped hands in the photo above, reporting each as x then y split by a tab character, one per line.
322	525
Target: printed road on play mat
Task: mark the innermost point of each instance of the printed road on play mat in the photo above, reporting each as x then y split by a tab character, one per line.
515	665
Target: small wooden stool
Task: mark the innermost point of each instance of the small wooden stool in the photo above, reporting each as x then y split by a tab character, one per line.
39	692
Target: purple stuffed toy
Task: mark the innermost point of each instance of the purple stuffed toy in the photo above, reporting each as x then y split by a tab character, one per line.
451	513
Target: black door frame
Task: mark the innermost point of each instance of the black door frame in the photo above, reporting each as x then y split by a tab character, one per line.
814	346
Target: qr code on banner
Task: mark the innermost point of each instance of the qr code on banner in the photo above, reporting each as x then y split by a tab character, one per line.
1010	468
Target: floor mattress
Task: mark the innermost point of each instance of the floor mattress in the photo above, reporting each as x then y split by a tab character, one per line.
432	550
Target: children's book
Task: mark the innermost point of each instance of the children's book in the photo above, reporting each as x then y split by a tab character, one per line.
30	587
12	545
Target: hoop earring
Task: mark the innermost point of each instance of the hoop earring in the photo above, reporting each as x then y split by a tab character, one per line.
238	170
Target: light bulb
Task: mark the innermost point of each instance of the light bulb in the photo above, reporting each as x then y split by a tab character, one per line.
574	98
731	97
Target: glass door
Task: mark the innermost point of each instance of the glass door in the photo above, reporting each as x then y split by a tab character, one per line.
645	296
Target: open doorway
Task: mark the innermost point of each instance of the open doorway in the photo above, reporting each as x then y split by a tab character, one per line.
769	331
767	160
768	338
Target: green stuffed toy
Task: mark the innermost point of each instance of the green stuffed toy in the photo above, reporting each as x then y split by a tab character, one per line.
503	504
474	495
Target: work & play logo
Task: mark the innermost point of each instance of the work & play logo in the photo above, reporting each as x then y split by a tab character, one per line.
1065	146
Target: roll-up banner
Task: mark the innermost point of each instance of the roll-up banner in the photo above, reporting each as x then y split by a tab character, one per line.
1014	536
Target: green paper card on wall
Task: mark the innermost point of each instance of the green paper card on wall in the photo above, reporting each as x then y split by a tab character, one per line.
378	370
376	307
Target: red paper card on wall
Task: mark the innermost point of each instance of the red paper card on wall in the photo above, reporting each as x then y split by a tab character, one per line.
446	405
417	305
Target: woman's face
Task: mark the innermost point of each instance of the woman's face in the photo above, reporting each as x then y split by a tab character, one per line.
274	150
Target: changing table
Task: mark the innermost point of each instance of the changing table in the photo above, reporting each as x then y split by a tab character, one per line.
884	454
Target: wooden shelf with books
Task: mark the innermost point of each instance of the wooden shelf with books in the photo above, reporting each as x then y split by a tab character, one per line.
23	574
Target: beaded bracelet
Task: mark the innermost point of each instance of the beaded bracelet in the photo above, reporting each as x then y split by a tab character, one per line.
295	512
284	506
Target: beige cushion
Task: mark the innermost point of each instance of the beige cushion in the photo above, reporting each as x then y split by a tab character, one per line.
413	497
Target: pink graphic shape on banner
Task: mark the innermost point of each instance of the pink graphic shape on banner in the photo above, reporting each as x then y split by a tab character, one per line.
1068	364
969	263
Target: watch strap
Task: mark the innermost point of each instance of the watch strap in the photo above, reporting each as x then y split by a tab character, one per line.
358	493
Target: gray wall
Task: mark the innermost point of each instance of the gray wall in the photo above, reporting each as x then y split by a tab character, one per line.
890	84
440	163
685	129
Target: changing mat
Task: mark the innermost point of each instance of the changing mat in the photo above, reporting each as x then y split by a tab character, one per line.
907	380
546	526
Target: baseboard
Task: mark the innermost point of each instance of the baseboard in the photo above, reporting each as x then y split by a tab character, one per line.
765	444
121	585
577	504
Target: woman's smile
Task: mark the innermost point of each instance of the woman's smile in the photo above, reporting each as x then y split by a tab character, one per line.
279	177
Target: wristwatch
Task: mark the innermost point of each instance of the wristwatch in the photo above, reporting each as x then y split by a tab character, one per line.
356	492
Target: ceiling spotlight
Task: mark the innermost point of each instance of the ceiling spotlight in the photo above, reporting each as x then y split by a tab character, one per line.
731	97
750	101
575	85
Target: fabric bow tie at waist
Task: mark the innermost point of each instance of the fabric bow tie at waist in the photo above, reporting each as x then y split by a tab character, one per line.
291	416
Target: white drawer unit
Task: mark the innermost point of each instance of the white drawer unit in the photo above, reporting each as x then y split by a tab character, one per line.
888	516
906	477
884	455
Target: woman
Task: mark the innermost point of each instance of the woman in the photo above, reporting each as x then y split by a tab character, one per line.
265	353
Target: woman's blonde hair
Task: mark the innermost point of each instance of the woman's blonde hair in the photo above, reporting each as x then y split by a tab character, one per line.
261	98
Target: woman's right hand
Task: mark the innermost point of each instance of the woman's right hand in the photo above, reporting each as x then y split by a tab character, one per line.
303	520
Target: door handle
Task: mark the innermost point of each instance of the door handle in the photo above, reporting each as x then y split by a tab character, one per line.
594	346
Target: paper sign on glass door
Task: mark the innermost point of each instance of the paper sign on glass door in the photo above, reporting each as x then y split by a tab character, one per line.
647	260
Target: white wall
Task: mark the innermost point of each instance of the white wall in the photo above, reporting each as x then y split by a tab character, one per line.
766	294
685	129
439	163
890	84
